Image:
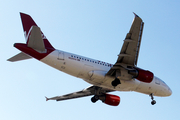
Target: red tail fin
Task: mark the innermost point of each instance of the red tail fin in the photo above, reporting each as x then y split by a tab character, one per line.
27	23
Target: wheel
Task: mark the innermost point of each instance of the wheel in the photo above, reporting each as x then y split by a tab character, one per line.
94	99
153	102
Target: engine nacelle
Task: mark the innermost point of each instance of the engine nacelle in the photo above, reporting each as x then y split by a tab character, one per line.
142	75
145	76
109	99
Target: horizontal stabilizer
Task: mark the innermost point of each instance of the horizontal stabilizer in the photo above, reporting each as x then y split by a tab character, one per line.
18	57
35	40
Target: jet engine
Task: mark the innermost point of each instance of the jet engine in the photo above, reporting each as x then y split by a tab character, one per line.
109	99
142	75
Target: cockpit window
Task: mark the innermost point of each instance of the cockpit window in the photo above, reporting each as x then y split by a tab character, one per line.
163	82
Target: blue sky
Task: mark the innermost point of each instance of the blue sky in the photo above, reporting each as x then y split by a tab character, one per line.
94	29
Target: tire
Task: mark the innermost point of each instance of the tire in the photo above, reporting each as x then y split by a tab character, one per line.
153	102
93	99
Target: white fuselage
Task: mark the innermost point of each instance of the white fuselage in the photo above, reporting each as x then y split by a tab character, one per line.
93	72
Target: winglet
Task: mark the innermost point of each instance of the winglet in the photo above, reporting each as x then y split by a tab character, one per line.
46	98
135	14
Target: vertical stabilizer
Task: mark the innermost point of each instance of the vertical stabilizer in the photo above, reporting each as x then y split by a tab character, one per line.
36	46
35	40
28	24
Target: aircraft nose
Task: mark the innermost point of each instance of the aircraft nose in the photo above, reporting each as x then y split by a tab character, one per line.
169	91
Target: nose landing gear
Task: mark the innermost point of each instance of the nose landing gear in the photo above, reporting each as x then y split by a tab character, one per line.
152	98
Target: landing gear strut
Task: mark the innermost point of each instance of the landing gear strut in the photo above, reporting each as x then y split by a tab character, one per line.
152	98
115	82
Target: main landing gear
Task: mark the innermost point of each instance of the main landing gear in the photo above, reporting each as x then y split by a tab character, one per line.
94	98
115	82
152	98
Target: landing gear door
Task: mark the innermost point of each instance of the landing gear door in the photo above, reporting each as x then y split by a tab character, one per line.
61	55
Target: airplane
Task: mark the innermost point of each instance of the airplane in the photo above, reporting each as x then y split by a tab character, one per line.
124	75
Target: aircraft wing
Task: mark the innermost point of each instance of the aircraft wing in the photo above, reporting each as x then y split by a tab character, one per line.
130	50
92	90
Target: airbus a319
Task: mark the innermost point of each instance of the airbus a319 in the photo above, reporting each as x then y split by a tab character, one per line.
124	75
